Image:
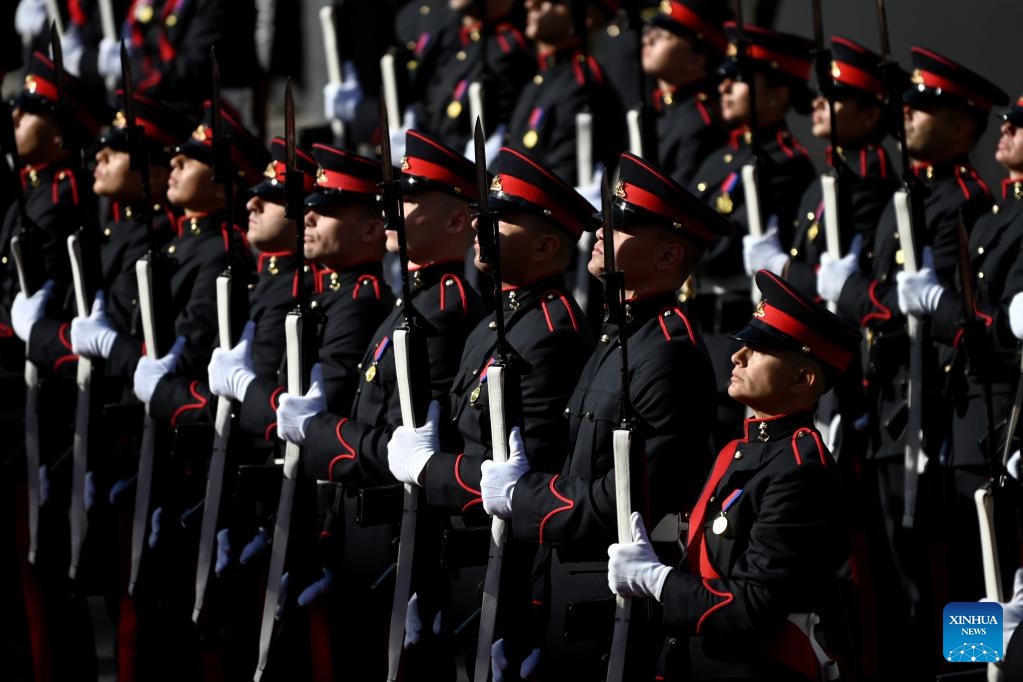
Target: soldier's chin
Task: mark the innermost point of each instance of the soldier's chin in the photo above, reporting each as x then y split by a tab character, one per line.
596	265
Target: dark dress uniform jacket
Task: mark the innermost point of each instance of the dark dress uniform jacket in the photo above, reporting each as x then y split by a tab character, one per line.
670	384
870	296
445	112
180	399
688	129
872	180
784	541
353	449
350	305
427	34
547	332
543	122
784	175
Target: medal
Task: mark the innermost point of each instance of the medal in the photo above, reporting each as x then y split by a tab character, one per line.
530	139
371	373
144	14
475	395
724	204
454	109
811	234
720	525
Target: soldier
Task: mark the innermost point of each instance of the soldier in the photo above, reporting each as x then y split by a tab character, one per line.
780	65
767	533
660	232
682	46
947	108
543	121
983	365
540	220
349	446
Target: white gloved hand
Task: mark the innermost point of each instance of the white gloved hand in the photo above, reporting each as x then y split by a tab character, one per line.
1016	316
149	371
763	253
1012	610
44	485
93	336
497	482
27	310
340	100
231	371
118	489
398	136
154	527
72	50
832	274
30	18
295	412
223	551
89	494
492	146
591	192
414	622
1012	466
108	58
255	546
919	292
633	569
499	662
410	448
317	589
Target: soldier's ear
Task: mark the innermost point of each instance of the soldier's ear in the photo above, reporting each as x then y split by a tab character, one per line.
808	379
672	255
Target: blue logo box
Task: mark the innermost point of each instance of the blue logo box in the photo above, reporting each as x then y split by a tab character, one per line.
972	632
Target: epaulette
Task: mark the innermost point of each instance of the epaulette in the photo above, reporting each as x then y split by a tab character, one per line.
60	178
789	145
674	324
595	75
509	38
963	175
452	292
367	286
807	446
557	311
708	114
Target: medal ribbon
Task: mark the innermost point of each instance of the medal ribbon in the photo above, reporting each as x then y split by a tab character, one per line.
486	368
535	117
729	184
380	349
460	89
730	500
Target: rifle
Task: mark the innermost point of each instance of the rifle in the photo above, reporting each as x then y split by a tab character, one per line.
300	355
502	382
834	182
628	465
908	216
410	358
751	170
334	74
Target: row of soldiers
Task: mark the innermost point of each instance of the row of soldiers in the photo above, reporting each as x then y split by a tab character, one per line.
789	533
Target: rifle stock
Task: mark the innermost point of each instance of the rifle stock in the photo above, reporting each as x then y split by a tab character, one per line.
79	518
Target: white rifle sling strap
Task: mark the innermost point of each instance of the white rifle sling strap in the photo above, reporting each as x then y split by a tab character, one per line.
78	515
832	235
32	459
330	51
282	525
622	443
218	460
584	171
144	481
914	393
632	120
476	103
106	16
495	560
410	504
390	84
753	215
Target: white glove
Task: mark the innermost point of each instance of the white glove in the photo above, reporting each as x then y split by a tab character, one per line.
1013	465
44	485
410	448
1012	610
231	371
832	274
497	483
414	623
149	371
89	494
398	136
30	18
72	50
491	148
763	253
340	100
255	546
295	412
108	59
27	310
118	489
1016	316
919	292
633	569
499	662
93	336
223	551
591	192
154	527
317	589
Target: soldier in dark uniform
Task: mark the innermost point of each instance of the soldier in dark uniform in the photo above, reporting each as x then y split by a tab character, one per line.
540	219
543	121
55	200
983	366
660	233
682	47
349	445
780	63
947	110
444	111
767	533
427	35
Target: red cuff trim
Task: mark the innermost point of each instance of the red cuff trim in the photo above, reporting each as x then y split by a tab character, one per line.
728	599
349	450
200	402
63	360
882	314
6	332
568	505
62	335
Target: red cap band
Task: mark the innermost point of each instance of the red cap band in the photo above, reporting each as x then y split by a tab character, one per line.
817	344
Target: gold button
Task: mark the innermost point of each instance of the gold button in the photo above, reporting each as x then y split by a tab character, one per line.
980	275
728	158
538	79
461	55
810	216
793	251
604	338
701	187
3	260
172	248
980	250
424	10
171	20
995	209
738	454
493	324
106	231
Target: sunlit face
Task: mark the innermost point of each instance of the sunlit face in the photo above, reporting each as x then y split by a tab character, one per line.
333	234
516	246
114	177
663	52
428	215
269	230
636	253
191	185
763	378
927	131
37	136
1010	147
